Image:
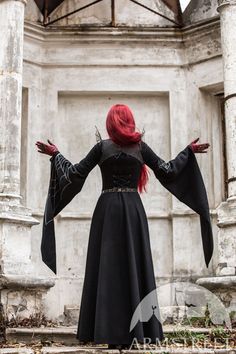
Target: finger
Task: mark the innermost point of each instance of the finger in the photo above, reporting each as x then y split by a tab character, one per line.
205	144
202	146
202	150
39	142
50	142
45	146
41	147
194	141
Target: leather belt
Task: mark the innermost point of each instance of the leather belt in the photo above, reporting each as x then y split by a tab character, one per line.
119	189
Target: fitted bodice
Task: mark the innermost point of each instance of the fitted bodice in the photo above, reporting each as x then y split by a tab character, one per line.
120	165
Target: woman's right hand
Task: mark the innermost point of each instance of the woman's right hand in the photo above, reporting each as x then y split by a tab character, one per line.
50	149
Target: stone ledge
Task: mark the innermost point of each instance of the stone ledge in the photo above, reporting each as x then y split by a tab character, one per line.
94	350
43	330
13	212
181	351
79	350
67	334
55	334
226	282
72	330
16	351
9	281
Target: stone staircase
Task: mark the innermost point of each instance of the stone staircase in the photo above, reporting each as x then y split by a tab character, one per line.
66	335
94	350
62	340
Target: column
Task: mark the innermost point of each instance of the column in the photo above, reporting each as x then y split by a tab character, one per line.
227	210
227	9
18	280
11	57
12	213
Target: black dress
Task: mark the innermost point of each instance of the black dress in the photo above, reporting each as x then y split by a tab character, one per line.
119	269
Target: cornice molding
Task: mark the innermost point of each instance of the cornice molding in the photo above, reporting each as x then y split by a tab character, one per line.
124	34
181	42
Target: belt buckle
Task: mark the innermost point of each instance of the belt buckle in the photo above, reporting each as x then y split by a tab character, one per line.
119	189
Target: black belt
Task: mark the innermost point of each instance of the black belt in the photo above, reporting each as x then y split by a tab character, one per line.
119	189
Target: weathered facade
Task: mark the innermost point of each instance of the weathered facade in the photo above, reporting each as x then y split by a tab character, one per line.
173	77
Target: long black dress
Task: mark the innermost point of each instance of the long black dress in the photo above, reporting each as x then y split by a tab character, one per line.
119	269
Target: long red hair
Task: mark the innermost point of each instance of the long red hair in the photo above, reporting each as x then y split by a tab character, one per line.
120	125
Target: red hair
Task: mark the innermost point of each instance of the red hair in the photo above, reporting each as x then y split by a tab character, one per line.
120	125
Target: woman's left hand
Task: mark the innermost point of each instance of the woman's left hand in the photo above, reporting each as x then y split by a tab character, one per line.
198	148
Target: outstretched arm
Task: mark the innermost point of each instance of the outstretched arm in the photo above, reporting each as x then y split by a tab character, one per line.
66	181
182	177
171	169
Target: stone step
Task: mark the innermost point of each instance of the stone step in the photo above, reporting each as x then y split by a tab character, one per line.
79	350
66	335
96	350
16	351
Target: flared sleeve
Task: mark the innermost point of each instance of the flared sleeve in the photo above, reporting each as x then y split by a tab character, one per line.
182	177
66	181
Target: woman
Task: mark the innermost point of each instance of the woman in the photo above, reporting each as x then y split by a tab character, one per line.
119	269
